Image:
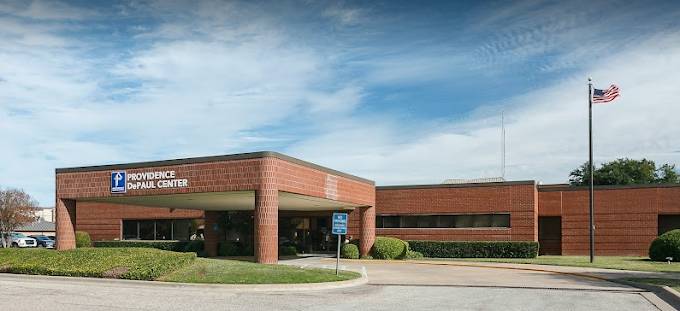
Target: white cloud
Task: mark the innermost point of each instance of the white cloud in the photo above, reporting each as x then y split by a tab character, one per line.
45	10
215	78
546	128
206	83
345	15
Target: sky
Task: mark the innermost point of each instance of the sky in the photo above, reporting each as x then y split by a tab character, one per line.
400	92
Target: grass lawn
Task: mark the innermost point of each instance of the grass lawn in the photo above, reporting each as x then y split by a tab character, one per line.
606	262
672	283
155	264
123	263
240	272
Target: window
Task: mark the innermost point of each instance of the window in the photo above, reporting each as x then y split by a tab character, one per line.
667	223
444	221
409	222
161	229
146	230
427	221
391	222
182	229
130	230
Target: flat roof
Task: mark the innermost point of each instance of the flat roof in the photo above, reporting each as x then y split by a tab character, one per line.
484	184
229	157
567	187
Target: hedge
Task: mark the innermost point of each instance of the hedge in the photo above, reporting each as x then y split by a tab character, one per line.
175	246
234	248
475	249
349	251
389	248
121	263
83	239
666	245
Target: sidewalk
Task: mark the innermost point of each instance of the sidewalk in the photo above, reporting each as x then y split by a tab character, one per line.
600	273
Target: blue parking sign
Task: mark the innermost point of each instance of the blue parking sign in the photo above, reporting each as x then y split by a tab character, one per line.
118	182
339	223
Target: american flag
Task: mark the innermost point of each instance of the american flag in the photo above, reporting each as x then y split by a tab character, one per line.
605	96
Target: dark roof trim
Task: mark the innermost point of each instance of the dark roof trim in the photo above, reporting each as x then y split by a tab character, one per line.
38	226
566	187
471	185
230	157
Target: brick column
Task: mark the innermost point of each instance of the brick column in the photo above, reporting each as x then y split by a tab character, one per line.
367	230
211	235
66	224
267	215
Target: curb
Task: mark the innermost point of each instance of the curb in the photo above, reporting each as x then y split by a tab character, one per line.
665	293
288	287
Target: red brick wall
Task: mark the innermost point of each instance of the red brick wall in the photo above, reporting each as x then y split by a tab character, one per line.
103	220
265	173
232	175
625	217
516	198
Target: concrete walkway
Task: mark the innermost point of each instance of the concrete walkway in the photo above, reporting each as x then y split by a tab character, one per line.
610	274
453	273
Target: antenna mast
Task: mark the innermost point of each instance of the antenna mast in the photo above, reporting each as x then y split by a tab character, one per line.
503	144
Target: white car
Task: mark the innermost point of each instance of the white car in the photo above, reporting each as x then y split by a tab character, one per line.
21	240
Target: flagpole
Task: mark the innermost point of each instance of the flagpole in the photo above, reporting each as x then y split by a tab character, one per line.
590	163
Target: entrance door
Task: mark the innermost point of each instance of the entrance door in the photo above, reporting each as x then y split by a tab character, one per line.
309	234
550	235
668	223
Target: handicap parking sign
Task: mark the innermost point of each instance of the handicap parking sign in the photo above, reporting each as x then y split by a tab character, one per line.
118	182
339	223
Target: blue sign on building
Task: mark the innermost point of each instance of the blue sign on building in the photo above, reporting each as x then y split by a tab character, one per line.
339	223
118	180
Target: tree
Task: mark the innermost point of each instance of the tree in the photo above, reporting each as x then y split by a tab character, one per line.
625	172
17	208
668	174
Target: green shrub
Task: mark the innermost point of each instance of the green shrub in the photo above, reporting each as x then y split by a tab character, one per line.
122	263
413	255
228	248
196	246
666	245
175	246
287	251
388	248
476	249
83	239
349	251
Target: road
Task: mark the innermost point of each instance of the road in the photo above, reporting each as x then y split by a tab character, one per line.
395	286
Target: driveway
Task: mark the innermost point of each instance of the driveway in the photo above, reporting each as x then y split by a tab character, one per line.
392	286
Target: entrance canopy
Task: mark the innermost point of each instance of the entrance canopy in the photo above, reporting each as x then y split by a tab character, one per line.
264	182
228	201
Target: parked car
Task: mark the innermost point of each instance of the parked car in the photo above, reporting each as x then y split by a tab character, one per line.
43	241
21	240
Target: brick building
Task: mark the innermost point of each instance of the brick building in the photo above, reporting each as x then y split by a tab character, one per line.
158	200
288	200
627	218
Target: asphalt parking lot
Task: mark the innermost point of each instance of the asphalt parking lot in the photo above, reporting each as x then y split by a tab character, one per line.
397	286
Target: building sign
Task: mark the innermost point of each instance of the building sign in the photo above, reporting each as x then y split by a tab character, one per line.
118	182
121	181
339	223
